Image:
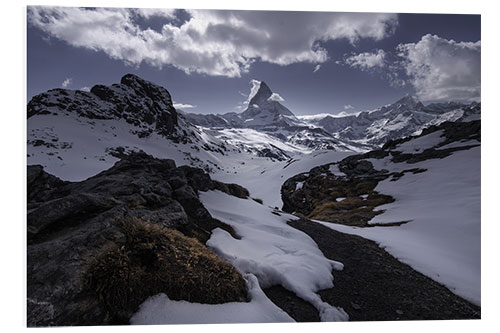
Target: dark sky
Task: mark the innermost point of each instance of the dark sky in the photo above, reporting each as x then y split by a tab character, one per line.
342	83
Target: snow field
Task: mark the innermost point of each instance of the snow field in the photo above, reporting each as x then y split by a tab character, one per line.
442	239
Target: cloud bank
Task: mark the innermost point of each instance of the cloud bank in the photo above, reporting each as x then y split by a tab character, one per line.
442	69
213	42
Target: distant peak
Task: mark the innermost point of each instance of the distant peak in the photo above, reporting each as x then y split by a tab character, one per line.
262	93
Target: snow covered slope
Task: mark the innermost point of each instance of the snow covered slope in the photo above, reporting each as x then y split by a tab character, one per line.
442	204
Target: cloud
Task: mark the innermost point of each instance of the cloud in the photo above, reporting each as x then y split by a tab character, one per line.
66	82
276	97
183	106
316	68
348	107
441	69
87	89
213	42
367	60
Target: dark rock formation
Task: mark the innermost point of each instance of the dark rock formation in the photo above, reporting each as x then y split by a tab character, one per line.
70	223
137	101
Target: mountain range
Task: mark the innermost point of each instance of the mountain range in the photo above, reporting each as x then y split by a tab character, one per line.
76	134
362	131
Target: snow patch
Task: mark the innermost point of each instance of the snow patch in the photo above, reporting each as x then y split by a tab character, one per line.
272	250
160	310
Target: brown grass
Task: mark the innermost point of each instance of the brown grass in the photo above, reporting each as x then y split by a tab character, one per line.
232	189
150	259
353	211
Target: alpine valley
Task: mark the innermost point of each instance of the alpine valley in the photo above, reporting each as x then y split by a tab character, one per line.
368	216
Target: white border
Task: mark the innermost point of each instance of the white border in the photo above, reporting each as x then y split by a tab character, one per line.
13	140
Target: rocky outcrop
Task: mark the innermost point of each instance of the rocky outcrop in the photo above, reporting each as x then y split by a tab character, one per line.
349	196
137	101
70	224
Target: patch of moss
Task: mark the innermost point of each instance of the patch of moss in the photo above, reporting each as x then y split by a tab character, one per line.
150	259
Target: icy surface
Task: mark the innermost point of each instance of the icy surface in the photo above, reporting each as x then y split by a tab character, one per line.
443	206
159	310
272	250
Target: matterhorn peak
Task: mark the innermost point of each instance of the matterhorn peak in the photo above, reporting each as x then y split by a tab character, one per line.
261	94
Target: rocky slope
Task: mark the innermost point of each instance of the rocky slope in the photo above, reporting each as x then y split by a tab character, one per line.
135	100
344	192
83	235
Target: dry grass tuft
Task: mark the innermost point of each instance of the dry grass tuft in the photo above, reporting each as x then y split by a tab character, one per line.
353	211
150	259
232	189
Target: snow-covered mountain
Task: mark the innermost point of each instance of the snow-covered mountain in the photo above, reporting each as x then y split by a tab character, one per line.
407	116
266	114
363	131
76	134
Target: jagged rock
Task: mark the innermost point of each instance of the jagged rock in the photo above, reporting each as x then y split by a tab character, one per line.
137	101
69	222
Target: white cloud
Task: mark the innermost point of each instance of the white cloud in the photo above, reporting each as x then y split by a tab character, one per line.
348	107
183	106
87	89
211	42
276	97
367	60
66	82
316	68
442	69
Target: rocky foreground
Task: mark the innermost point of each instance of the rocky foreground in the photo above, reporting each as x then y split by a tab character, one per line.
98	248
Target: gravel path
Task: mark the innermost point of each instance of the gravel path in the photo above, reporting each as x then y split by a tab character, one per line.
374	285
